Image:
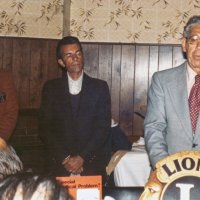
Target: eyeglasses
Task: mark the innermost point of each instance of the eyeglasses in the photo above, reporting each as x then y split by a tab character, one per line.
194	39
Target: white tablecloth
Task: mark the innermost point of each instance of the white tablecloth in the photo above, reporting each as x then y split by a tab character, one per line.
133	169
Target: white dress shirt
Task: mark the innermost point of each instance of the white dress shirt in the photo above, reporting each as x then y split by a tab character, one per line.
75	85
190	78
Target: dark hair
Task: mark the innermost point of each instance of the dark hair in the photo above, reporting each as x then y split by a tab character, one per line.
64	41
28	185
194	20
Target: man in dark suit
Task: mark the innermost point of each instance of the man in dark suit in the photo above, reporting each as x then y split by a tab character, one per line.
8	105
75	115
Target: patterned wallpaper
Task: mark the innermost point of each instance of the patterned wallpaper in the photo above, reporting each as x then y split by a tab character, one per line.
140	21
31	18
125	21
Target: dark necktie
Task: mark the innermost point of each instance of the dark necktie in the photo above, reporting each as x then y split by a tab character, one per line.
194	102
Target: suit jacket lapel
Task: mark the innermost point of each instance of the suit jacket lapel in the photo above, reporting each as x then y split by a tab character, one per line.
85	96
179	98
65	99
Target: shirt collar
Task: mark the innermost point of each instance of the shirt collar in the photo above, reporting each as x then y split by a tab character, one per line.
75	85
190	74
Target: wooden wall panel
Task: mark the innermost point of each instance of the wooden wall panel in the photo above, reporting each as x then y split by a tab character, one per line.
53	68
178	57
38	66
91	53
153	62
127	68
105	63
165	57
21	70
116	81
7	53
127	88
1	53
140	86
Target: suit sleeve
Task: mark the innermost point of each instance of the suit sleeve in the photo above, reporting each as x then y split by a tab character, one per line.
10	108
155	122
102	123
49	138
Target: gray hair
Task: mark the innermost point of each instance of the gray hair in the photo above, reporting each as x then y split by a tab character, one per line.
194	20
10	163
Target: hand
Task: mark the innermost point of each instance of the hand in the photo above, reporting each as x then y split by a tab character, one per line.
79	171
74	164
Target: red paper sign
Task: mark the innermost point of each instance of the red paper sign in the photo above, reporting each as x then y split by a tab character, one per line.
83	187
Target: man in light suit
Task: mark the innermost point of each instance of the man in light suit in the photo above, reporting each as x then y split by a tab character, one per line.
8	105
167	123
75	116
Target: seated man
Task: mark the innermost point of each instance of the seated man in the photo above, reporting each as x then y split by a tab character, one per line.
75	116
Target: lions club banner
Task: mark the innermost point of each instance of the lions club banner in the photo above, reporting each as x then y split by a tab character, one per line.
177	177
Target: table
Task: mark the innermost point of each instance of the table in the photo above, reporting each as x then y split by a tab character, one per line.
133	169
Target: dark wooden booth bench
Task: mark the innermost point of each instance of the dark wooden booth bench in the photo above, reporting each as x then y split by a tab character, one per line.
26	142
127	68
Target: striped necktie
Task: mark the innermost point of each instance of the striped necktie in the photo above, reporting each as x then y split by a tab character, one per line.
194	102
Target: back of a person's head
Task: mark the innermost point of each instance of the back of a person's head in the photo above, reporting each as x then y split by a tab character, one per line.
10	163
28	186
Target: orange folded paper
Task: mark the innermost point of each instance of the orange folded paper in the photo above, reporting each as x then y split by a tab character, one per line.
83	187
